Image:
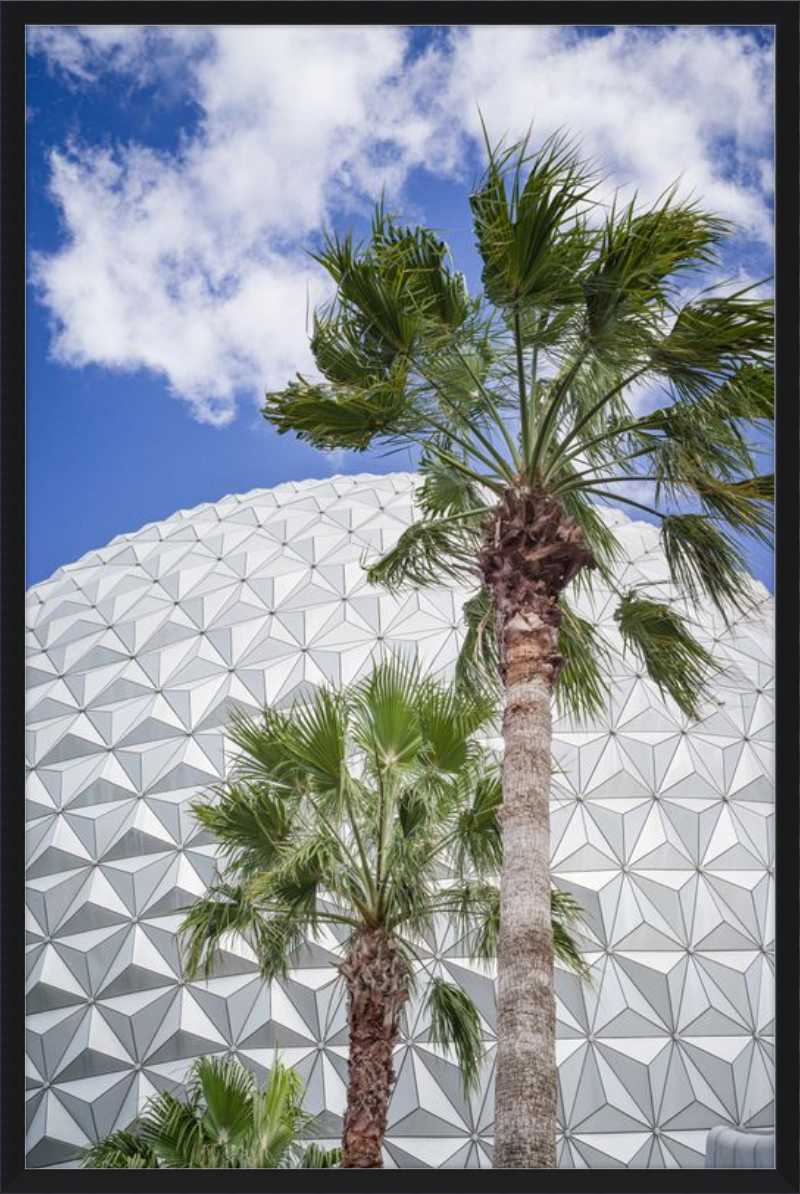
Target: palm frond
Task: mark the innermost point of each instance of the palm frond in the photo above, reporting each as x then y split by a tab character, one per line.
566	914
261	742
704	562
455	1021
316	1157
249	823
473	906
582	688
445	492
641	256
345	356
477	670
749	391
477	844
121	1150
226	1091
294	881
600	538
674	660
278	1119
385	717
420	261
567	951
711	339
346	417
427	552
531	239
745	505
170	1126
220	1120
316	740
225	908
448	720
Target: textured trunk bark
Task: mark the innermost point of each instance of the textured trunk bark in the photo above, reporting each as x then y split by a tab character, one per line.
525	1084
531	552
377	982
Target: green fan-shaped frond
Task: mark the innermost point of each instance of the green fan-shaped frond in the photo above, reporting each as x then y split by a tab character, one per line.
745	505
455	1021
478	664
445	492
345	356
531	240
316	743
477	844
348	418
420	261
704	562
712	338
582	687
248	822
674	659
316	1157
385	721
225	1093
427	552
567	914
448	723
225	908
749	392
171	1127
642	254
278	1121
120	1150
220	1120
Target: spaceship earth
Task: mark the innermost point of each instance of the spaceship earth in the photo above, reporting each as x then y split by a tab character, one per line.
661	827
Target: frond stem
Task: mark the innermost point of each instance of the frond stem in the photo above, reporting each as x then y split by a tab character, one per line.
523	412
548	420
614	497
598	406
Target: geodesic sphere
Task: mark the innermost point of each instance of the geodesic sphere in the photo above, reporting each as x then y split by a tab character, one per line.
138	653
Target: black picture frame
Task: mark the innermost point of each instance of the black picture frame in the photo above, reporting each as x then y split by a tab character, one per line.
783	16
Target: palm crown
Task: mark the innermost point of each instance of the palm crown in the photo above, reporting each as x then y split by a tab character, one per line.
372	812
521	397
223	1120
521	402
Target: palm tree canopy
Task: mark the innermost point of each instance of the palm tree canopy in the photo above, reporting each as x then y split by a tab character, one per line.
530	388
223	1121
370	808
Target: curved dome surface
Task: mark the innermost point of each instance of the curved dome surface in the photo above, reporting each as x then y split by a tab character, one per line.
661	828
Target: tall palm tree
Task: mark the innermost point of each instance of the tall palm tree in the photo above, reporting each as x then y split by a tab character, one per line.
523	404
222	1121
343	813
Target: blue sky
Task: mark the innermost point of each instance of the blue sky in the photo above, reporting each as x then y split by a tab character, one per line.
178	175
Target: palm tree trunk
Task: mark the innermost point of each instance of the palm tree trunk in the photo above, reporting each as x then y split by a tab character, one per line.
377	987
525	1083
531	552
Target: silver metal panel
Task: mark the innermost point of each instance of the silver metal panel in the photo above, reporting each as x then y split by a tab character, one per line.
661	828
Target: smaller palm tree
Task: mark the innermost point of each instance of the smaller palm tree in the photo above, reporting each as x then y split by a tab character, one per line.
223	1121
371	812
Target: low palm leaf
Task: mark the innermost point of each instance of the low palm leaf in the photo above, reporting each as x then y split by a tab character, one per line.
222	1120
377	787
526	396
674	659
455	1021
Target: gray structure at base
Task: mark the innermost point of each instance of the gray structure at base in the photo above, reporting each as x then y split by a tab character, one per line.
661	828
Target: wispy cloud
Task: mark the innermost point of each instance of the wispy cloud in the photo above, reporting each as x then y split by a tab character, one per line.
191	264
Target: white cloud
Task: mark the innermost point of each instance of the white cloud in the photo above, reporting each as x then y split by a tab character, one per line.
648	105
191	263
